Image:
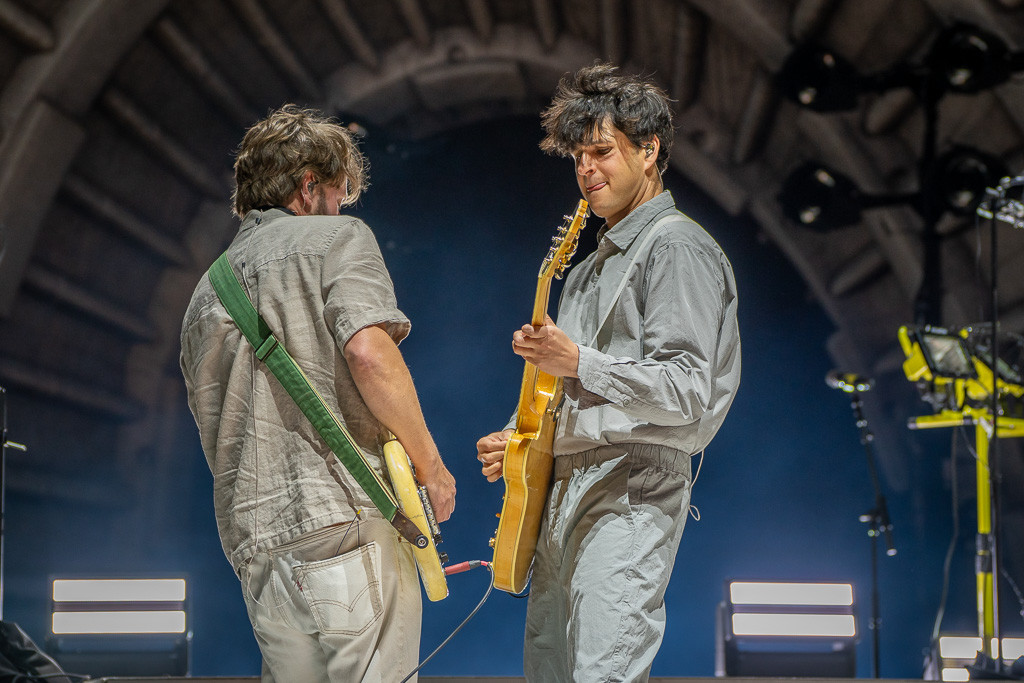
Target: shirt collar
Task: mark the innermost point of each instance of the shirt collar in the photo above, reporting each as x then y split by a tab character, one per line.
261	215
625	231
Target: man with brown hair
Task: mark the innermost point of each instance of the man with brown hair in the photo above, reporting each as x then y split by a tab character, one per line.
330	588
648	345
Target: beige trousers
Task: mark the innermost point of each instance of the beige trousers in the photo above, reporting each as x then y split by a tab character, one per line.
336	605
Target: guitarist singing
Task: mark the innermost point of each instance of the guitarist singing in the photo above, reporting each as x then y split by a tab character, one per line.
648	345
331	590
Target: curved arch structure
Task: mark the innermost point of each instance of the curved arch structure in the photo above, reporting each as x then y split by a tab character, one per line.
117	116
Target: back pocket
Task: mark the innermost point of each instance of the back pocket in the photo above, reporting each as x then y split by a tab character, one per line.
343	593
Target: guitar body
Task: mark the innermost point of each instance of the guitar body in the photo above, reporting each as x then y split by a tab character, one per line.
526	470
529	459
411	497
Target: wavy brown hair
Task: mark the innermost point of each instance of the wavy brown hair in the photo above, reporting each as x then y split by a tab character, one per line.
277	151
596	95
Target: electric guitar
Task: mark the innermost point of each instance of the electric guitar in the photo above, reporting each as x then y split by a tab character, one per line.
414	502
526	469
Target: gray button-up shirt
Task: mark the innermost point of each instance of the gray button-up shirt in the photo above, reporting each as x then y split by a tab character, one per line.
665	365
316	280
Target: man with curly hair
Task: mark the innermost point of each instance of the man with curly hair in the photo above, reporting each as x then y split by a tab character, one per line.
330	588
648	345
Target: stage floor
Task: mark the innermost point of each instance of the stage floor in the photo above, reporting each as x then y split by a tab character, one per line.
515	679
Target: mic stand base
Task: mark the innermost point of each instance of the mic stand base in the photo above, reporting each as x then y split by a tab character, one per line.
984	667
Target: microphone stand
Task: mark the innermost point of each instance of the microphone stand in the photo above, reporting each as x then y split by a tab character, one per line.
4	445
999	202
878	523
3	482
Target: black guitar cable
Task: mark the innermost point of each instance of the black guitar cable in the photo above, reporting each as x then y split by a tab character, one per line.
456	569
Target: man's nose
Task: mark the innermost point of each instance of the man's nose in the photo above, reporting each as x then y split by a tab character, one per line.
584	164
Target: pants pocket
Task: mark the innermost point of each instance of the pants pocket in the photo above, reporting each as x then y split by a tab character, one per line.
344	592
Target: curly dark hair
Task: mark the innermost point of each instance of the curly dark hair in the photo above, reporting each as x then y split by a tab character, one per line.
596	95
277	151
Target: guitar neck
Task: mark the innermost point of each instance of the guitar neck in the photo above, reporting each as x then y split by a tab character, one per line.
554	265
531	374
540	302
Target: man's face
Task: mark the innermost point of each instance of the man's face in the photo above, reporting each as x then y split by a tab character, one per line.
611	172
327	200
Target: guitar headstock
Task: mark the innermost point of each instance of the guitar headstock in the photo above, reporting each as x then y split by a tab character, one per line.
563	244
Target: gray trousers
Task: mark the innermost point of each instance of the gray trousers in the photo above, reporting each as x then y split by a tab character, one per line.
607	545
336	605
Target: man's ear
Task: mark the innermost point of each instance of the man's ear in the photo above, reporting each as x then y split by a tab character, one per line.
651	149
306	186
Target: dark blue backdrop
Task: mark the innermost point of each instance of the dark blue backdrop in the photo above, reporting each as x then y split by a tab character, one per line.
463	220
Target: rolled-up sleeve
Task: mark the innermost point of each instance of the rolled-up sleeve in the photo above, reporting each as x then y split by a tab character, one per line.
672	383
357	288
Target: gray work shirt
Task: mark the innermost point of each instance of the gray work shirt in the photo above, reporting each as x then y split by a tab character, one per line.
666	364
316	280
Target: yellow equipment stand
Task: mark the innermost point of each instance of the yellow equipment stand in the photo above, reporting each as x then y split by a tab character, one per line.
968	396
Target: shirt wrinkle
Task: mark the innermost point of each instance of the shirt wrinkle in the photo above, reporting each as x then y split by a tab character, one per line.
665	367
273	476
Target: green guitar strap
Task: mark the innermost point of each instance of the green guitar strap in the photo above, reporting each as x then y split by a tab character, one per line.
273	354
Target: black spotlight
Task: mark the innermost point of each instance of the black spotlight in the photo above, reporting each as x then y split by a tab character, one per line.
819	79
969	60
818	197
961	177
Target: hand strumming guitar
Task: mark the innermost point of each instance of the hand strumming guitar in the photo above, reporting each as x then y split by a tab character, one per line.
440	485
490	451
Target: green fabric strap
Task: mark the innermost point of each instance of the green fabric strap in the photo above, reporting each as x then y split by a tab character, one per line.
295	382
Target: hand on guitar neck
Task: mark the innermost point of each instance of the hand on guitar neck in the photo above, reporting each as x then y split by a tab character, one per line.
548	348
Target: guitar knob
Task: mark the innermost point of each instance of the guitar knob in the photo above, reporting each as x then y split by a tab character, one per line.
490	543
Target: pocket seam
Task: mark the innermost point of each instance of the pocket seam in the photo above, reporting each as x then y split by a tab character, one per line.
372	587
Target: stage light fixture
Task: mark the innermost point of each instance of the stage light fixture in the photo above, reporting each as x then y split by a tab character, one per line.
962	176
820	197
968	59
952	653
816	196
786	628
819	79
962	59
121	627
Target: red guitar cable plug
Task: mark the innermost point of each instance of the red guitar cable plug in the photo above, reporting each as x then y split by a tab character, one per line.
465	567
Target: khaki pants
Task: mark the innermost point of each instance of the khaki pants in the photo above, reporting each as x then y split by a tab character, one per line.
607	545
336	605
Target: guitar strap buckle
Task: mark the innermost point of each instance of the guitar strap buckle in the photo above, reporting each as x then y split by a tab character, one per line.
408	530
